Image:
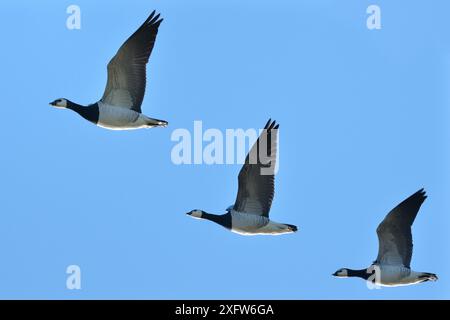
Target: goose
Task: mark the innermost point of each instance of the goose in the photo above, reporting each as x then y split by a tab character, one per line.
250	213
120	106
392	265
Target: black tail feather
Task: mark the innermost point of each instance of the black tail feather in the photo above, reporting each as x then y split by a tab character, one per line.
157	123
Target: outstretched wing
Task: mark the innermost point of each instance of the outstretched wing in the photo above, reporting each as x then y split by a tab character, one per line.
394	232
127	69
257	176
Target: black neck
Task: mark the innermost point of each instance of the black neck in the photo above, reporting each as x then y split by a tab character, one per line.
359	273
224	219
90	113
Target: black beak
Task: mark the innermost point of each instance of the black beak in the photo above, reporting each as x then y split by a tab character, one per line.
53	103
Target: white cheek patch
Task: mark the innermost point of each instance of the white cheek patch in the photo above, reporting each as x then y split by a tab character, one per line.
61	104
343	273
196	214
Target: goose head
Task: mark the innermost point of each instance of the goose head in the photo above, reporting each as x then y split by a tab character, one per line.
197	214
341	273
60	103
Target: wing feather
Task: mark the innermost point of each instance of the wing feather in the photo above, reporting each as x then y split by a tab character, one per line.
127	69
257	176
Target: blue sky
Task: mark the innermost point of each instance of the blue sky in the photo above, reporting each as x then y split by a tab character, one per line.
364	124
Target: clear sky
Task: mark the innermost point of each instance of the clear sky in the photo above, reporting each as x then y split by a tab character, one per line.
364	123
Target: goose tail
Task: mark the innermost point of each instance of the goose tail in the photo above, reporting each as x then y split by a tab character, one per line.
156	123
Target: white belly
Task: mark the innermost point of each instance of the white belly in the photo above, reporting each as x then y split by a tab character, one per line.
394	276
116	118
251	224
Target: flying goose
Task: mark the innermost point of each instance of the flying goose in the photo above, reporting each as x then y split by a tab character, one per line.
392	266
120	106
250	213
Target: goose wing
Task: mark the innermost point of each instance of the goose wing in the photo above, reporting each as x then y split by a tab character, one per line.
126	70
394	232
257	176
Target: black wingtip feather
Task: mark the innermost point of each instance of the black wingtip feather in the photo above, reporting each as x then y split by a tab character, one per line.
422	193
271	125
155	19
150	17
152	20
